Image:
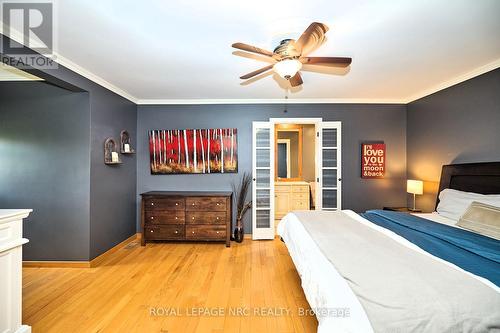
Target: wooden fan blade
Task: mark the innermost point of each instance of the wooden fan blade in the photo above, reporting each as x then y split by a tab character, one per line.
257	72
253	49
254	56
335	61
311	38
296	80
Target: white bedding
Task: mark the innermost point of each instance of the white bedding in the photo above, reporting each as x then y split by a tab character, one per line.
438	218
324	287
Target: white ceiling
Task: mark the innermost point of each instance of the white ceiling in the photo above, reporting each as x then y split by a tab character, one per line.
173	51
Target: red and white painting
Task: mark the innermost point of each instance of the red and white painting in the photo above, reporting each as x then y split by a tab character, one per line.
193	151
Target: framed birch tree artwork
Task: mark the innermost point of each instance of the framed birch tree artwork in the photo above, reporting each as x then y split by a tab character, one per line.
196	151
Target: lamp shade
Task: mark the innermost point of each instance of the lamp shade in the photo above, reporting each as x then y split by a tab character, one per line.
287	68
415	186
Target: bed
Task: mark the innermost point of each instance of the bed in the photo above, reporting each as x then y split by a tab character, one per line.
359	276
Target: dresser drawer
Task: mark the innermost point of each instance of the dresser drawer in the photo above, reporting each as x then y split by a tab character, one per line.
163	232
200	231
300	196
282	188
164	204
300	205
300	188
205	204
164	217
206	217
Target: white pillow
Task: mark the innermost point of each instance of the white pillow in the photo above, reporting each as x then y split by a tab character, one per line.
453	203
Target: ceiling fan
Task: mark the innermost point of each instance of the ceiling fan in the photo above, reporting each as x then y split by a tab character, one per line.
290	54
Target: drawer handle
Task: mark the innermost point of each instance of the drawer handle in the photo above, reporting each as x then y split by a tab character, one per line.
177	204
151	231
217	217
192	232
217	232
152	204
193	203
152	218
192	218
176	231
176	218
218	204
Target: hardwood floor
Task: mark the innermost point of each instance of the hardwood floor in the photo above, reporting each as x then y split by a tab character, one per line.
167	287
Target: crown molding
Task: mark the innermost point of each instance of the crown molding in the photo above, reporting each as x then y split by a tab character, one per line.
459	79
94	78
269	101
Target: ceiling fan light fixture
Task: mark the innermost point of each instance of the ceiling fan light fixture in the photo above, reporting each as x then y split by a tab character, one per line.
287	68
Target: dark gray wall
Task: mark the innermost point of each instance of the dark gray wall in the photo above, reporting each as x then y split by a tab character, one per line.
45	165
459	124
112	188
360	123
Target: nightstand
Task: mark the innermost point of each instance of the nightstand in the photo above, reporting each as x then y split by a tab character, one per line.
403	209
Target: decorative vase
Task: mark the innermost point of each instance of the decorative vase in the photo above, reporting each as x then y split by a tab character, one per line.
238	234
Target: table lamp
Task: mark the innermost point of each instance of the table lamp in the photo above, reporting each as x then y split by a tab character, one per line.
414	187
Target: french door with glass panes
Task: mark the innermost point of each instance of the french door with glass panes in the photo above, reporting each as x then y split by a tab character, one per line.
328	173
328	166
263	181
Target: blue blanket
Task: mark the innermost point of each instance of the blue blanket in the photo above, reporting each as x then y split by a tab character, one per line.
474	253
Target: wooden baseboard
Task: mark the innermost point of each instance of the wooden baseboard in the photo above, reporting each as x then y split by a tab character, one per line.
58	264
98	260
82	264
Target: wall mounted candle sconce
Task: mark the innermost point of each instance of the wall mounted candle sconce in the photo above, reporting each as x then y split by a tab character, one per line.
125	145
111	155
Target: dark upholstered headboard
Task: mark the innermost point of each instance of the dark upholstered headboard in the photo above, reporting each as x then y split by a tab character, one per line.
481	178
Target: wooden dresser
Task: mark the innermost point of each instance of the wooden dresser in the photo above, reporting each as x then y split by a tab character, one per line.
290	196
186	216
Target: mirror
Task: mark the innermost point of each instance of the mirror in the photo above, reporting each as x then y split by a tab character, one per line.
288	152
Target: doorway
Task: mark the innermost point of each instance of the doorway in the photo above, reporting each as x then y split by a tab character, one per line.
274	157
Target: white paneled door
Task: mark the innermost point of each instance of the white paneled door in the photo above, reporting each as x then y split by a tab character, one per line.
328	164
263	186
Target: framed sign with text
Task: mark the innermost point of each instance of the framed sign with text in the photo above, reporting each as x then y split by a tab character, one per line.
372	160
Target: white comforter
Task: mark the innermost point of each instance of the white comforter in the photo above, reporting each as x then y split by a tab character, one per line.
324	287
